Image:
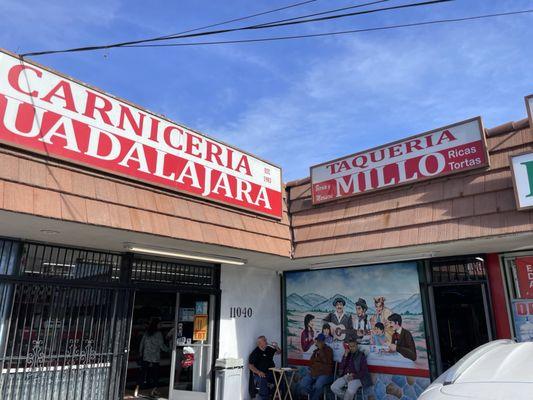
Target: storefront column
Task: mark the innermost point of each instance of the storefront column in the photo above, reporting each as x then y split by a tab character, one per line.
497	293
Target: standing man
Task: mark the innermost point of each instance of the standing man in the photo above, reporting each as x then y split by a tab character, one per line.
320	370
362	320
354	372
402	340
259	362
339	317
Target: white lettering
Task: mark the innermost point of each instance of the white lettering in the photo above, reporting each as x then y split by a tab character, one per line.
64	125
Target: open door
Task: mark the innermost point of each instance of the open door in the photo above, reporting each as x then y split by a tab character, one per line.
145	378
192	355
462	320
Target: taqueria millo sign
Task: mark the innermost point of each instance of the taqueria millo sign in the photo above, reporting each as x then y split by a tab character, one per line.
448	150
48	113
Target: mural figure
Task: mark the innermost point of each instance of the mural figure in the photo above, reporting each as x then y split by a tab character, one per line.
402	339
307	338
378	337
362	321
382	315
326	331
339	317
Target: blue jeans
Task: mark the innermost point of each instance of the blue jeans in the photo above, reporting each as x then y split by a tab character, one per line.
314	386
262	384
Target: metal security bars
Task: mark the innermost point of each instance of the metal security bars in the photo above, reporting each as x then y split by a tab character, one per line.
63	342
144	270
47	261
59	340
471	269
65	317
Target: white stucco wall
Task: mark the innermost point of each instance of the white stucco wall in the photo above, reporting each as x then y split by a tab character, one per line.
246	286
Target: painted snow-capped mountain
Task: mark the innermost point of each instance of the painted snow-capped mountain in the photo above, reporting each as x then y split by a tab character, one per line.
296	302
411	305
317	302
313	298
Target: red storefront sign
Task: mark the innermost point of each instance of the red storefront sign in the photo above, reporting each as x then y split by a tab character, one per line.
452	149
48	113
524	272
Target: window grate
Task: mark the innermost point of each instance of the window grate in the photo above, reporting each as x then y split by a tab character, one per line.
458	270
63	342
48	261
144	270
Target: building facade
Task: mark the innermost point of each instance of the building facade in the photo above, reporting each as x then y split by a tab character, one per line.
112	217
448	254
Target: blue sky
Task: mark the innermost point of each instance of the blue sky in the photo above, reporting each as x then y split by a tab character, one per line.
295	103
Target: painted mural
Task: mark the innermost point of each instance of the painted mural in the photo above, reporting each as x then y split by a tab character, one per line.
379	305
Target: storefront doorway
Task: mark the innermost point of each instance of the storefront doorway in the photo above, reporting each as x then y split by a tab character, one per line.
181	324
461	308
151	310
461	321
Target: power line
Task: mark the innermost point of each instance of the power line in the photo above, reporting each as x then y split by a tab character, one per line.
380	28
250	27
197	29
229	21
324	12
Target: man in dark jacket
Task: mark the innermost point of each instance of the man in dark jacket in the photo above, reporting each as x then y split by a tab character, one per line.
402	340
320	370
354	372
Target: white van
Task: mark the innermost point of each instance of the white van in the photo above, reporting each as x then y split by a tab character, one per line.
498	370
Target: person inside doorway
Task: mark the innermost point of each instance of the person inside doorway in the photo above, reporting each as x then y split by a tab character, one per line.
152	343
353	370
320	370
402	340
259	363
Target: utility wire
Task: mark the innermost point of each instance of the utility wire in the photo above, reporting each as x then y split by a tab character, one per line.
323	12
250	27
229	21
380	28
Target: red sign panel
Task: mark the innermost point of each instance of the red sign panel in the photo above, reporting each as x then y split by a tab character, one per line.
50	114
524	272
448	150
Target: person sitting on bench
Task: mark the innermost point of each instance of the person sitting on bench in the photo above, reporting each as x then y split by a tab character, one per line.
320	371
354	372
259	362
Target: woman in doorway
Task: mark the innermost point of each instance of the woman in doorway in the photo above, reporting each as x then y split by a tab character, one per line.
152	343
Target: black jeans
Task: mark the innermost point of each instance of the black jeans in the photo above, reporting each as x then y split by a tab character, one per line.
149	375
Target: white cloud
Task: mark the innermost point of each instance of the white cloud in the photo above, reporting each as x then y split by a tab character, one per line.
375	88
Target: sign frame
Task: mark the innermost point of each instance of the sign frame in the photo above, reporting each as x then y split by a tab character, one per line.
529	109
485	165
515	186
131	178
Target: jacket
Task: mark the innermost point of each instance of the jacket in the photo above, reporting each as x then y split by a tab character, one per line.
322	362
405	345
358	367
